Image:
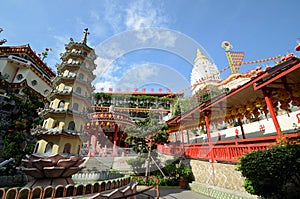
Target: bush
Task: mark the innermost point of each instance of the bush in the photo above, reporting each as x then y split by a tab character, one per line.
272	173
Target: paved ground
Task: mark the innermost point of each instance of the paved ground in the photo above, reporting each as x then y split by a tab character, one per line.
173	193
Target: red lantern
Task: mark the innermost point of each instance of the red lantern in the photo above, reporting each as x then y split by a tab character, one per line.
10	130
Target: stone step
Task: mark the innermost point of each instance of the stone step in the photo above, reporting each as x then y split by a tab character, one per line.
98	164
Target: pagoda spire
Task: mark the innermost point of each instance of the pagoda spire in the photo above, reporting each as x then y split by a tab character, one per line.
86	33
200	55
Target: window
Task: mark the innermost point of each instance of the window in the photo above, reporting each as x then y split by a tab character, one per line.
66	88
45	123
48	148
19	77
55	124
36	147
75	106
33	82
81	76
78	90
61	104
78	149
71	125
67	148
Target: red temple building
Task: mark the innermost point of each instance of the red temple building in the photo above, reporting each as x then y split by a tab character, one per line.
113	111
251	115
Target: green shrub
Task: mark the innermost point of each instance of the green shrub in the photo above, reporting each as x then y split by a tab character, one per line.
274	172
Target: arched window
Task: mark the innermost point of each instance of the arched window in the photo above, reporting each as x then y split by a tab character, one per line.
78	149
55	124
48	148
78	90
36	147
81	76
71	125
67	148
61	104
75	106
45	123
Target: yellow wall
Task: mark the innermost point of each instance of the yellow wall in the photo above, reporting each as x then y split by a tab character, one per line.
59	143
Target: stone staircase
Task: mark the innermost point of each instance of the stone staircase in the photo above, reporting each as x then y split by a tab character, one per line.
98	163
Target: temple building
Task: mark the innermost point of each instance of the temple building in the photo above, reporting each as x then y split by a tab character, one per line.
113	111
203	73
20	68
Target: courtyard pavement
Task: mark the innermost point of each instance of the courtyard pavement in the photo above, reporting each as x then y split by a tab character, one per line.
175	193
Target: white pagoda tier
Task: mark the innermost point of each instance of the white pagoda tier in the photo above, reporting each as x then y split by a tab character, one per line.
204	72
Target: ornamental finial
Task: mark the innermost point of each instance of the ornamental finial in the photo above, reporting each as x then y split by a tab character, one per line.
86	33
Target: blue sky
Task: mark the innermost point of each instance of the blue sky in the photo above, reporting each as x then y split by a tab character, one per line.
154	42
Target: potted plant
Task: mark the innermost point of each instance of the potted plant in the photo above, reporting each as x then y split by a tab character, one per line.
184	174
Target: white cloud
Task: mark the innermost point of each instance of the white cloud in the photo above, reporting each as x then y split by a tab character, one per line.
116	18
103	84
142	14
156	37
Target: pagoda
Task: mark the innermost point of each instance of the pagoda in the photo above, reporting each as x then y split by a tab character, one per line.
57	153
203	73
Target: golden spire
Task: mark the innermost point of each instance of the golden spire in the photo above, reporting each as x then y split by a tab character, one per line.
86	33
199	55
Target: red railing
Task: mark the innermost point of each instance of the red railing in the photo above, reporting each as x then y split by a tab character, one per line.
225	151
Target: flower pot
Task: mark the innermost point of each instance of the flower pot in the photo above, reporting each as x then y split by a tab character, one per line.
183	183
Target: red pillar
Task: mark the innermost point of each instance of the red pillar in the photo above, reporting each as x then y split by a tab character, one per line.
272	113
207	125
94	145
115	140
182	137
88	146
182	142
242	128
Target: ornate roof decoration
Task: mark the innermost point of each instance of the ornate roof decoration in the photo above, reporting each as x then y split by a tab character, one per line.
5	50
86	33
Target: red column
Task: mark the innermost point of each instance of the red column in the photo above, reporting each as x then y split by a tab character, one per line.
182	142
115	140
182	137
242	128
88	146
94	145
272	113
207	125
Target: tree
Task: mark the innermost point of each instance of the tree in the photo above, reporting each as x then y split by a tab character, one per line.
23	116
146	136
182	105
274	172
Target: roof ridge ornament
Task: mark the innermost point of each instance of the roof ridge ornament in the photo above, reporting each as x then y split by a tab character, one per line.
2	41
86	33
